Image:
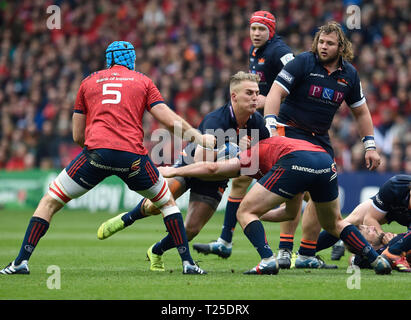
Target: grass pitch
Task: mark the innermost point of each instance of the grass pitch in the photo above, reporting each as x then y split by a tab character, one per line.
116	268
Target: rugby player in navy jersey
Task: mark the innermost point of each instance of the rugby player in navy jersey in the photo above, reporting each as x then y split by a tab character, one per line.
399	246
391	203
239	117
312	87
286	169
267	56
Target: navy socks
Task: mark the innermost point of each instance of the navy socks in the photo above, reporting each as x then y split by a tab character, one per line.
176	237
256	234
307	248
230	219
402	245
134	214
353	237
36	229
325	240
286	241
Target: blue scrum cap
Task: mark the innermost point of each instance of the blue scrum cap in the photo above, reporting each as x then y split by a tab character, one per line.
122	53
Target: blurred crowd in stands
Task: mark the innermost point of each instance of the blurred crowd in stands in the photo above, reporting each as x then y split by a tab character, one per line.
189	49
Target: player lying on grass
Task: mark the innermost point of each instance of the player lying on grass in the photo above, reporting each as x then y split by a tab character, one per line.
286	169
399	246
391	203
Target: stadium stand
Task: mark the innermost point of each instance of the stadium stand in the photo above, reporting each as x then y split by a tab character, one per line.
189	49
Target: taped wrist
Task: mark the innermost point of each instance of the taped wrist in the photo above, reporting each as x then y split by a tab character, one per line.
369	143
271	121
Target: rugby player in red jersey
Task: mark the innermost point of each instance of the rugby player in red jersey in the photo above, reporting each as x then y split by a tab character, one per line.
287	168
107	122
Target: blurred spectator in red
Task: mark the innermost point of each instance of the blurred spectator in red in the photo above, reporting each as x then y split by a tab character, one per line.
190	49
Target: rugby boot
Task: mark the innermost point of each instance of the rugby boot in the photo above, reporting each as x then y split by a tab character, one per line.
11	268
214	247
310	262
270	267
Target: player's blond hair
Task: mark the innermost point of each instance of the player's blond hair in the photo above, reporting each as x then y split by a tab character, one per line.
241	76
343	42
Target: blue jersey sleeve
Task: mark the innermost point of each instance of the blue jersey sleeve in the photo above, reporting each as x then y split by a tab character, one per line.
292	73
213	125
355	98
385	197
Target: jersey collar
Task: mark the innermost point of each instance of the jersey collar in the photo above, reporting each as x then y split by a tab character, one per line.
262	48
341	64
234	119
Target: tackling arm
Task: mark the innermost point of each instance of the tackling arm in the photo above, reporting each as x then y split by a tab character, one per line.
213	171
174	122
374	218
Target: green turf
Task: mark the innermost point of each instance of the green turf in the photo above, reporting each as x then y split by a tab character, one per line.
116	267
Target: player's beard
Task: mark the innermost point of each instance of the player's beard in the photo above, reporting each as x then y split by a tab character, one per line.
329	60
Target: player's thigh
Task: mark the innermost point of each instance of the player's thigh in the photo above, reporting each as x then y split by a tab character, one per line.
239	186
145	179
205	196
76	179
258	201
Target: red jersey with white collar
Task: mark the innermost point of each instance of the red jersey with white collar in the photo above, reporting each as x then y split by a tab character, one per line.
114	101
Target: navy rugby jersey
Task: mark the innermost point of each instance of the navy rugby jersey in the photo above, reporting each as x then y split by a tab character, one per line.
393	200
268	61
314	94
221	121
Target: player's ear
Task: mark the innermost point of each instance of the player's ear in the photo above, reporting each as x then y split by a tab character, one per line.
234	96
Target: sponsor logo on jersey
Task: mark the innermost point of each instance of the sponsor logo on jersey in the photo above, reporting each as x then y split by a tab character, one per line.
286	76
326	94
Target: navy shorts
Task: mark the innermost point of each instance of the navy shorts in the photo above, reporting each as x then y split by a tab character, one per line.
90	167
212	189
301	171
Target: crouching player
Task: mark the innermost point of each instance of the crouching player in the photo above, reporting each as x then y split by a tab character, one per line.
107	122
286	169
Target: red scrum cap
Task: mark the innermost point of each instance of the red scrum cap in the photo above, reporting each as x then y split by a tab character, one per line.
265	18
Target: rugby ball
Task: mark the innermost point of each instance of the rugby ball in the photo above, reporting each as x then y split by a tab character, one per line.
227	151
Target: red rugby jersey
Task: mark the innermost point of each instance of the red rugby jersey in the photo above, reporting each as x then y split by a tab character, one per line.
268	151
114	101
